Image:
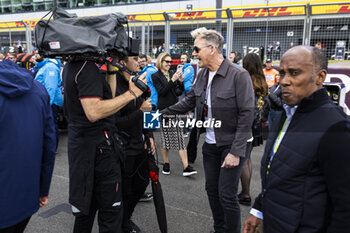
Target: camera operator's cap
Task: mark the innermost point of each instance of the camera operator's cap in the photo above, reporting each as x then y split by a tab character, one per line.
268	60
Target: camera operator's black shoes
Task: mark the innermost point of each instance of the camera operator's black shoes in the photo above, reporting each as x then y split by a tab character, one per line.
189	171
166	169
135	228
146	197
131	228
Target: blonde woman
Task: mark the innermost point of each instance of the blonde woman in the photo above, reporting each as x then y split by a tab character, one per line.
169	86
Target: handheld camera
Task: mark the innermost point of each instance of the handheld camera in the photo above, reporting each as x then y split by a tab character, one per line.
142	86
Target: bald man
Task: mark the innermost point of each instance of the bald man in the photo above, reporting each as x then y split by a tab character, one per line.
304	170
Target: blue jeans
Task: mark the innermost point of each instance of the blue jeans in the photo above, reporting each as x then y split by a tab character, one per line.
221	185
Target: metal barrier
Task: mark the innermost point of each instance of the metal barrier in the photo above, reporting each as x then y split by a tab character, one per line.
330	27
267	30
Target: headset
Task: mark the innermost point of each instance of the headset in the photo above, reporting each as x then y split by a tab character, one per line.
188	57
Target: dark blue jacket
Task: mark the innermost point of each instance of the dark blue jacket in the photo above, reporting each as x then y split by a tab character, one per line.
307	189
28	143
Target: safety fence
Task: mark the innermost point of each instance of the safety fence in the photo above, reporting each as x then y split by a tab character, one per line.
264	30
267	30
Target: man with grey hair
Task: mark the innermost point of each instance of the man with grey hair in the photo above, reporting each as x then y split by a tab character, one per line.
223	92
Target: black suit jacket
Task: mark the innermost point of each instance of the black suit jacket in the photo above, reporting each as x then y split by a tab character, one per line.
168	91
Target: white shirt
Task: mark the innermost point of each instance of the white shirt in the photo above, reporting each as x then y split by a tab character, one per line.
210	134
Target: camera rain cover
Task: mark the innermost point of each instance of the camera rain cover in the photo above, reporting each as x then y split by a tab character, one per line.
66	34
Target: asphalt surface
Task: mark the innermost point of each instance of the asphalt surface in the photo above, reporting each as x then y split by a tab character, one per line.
187	206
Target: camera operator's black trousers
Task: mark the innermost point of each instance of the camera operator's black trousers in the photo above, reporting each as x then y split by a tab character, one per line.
106	197
18	228
135	181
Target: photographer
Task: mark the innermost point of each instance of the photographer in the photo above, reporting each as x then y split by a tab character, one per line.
94	158
130	120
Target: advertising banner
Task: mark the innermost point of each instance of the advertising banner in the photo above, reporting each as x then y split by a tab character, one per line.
331	9
342	76
276	11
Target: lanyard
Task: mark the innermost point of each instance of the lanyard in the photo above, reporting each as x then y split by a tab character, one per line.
168	77
281	134
278	142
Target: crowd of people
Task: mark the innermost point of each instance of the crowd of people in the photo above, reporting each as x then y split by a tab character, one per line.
274	52
303	168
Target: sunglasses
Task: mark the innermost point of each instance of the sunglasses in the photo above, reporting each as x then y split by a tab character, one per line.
196	49
169	62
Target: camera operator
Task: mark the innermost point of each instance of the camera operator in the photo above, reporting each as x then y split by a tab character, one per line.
130	120
94	157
